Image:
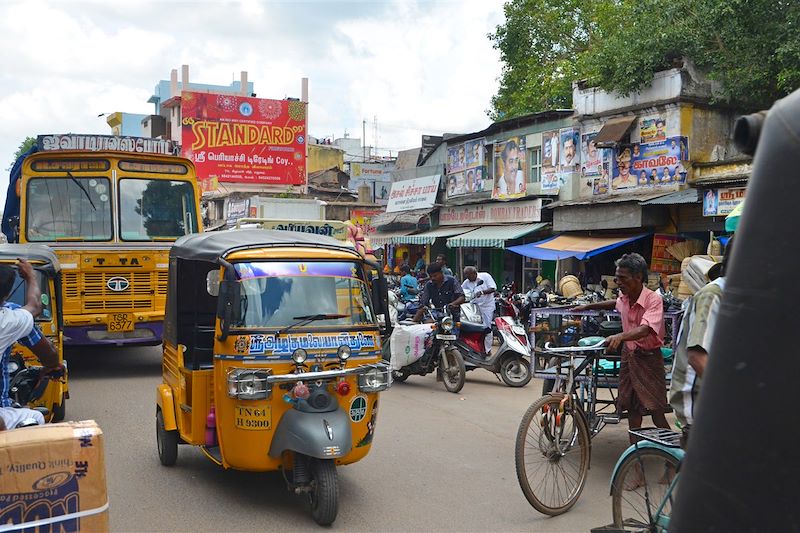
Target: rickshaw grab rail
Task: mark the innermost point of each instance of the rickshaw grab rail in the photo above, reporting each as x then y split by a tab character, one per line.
327	374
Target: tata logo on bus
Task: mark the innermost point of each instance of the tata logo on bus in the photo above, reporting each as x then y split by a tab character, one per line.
117	284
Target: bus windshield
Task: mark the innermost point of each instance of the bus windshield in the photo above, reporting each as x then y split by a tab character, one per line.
156	208
68	208
274	294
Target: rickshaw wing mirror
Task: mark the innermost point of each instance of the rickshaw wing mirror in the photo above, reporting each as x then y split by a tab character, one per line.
228	305
212	282
378	253
379	295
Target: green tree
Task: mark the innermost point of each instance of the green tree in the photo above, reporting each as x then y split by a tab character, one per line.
751	47
23	147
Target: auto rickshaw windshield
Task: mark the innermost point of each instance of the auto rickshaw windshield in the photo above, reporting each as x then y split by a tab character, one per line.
18	296
275	294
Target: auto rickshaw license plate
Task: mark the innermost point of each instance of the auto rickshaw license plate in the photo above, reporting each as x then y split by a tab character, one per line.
253	418
120	322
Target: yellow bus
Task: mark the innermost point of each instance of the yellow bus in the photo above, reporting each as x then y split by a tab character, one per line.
110	207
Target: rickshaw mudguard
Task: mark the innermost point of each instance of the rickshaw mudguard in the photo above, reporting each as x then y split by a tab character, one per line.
677	453
166	403
321	435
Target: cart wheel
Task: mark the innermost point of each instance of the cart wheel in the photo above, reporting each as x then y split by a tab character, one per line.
60	410
324	496
454	372
552	455
640	486
167	442
515	371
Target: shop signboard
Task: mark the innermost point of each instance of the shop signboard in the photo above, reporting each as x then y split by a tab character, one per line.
327	228
509	172
245	140
492	213
720	202
363	219
376	176
466	168
237	209
417	193
99	143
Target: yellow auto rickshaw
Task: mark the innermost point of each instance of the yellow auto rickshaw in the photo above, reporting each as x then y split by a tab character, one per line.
23	365
272	356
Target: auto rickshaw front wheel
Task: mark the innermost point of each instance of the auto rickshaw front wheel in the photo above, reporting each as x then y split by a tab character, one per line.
324	495
167	442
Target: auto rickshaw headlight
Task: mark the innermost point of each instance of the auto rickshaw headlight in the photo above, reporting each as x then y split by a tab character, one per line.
375	379
343	352
447	324
299	356
247	384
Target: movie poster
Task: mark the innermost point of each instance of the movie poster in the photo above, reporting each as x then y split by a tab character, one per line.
650	164
509	172
466	171
653	129
551	162
570	151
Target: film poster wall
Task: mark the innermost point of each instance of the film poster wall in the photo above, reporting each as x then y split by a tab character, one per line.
510	169
466	169
656	160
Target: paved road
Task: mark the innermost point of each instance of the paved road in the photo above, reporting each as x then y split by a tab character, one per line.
439	462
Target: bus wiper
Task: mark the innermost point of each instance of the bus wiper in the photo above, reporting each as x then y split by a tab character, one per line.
305	319
78	183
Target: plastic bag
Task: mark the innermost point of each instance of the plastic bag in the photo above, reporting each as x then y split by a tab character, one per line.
408	344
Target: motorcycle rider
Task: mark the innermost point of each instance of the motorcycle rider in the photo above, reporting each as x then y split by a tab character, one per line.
409	287
483	298
440	290
16	323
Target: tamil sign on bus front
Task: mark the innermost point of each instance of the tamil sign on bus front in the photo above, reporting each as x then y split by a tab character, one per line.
235	138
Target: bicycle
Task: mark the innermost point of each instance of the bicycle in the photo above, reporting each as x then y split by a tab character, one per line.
644	481
552	449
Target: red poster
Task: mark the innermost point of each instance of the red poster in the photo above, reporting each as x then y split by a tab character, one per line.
246	140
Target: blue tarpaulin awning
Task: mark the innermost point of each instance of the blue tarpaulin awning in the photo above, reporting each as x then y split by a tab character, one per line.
577	246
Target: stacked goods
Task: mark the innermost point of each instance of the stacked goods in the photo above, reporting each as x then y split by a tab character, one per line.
661	260
682	250
694	272
53	478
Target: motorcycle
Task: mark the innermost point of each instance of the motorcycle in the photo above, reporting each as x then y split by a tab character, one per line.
441	355
510	360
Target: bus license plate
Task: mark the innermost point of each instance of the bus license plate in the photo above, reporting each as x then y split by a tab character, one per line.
120	322
445	337
253	418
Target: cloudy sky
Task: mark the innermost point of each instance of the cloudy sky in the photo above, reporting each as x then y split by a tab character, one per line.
418	66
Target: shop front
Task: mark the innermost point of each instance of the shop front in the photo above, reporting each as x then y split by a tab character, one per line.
496	225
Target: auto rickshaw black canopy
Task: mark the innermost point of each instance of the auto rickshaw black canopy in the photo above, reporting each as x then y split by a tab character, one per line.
210	246
32	252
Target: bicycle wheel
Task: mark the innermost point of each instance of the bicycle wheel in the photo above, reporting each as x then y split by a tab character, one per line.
640	486
552	455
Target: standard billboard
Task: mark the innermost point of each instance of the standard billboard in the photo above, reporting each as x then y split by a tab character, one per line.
240	139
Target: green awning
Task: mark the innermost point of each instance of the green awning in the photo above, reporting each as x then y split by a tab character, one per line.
493	236
384	238
428	237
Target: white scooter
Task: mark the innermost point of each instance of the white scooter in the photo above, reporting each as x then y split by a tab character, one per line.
510	360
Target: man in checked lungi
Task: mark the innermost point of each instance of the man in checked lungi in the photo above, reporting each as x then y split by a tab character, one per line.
642	381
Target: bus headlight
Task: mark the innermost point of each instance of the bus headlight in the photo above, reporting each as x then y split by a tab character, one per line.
374	380
447	324
343	352
247	384
299	356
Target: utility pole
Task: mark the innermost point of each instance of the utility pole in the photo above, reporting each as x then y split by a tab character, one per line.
364	137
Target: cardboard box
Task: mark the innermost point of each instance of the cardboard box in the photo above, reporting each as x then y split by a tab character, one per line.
53	478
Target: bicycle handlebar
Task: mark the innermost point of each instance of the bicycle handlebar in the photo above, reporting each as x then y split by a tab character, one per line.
599	346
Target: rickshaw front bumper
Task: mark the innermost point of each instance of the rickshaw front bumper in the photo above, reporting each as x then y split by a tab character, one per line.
253	384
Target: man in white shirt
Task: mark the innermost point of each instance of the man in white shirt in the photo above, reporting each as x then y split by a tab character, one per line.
16	323
482	297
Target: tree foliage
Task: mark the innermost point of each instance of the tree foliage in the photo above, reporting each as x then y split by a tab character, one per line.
751	47
23	147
